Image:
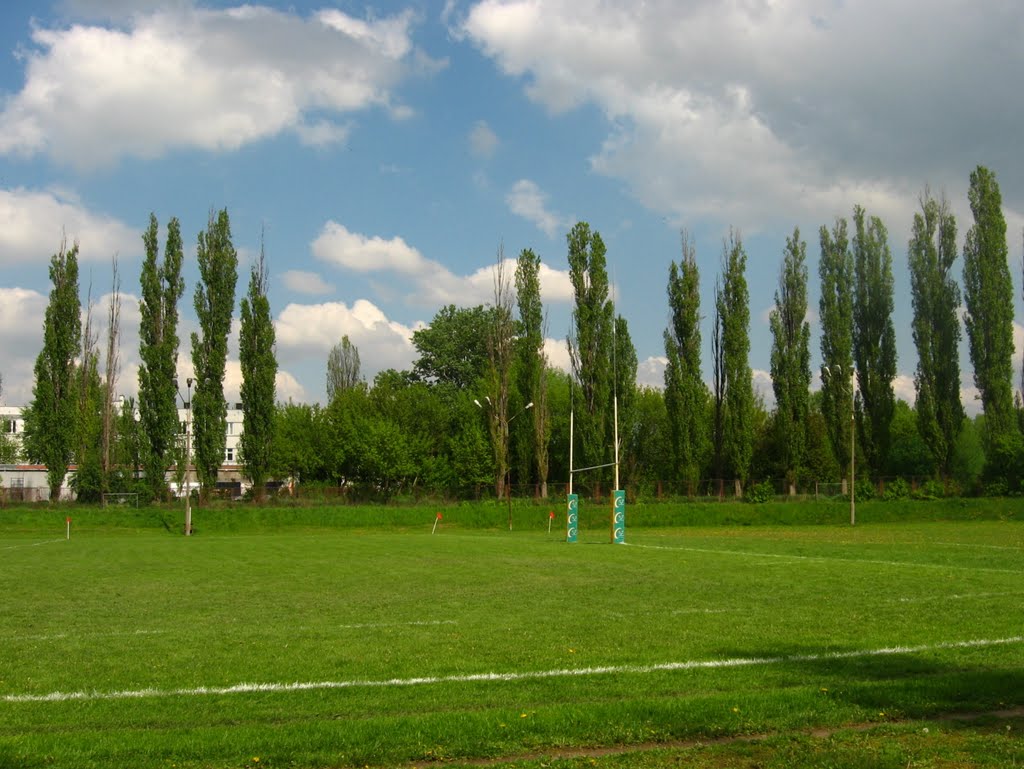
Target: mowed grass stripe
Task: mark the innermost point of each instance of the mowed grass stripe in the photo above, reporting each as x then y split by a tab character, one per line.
244	688
272	607
824	558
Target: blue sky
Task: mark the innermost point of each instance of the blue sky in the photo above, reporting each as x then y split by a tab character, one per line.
388	152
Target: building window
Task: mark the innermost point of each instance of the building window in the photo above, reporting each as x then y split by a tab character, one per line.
230	453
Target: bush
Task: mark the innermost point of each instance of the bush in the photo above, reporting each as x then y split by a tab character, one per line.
896	489
758	493
929	490
865	490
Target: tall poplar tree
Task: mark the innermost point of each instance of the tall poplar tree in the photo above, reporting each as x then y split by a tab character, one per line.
791	356
533	362
162	287
50	420
835	310
590	344
988	295
624	365
733	311
500	358
874	338
342	368
259	371
685	391
936	298
214	303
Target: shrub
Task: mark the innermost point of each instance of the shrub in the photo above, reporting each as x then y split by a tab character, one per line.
760	492
929	490
896	489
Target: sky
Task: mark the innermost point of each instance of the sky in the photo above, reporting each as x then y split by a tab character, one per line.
388	155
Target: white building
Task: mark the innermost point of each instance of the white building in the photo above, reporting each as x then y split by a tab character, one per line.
32	478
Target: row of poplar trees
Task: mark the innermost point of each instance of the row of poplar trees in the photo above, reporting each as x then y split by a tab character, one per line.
120	445
857	342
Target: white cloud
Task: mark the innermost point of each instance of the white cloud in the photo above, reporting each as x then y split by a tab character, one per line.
765	112
428	282
313	329
651	372
337	245
482	140
304	282
32	224
184	77
527	200
557	352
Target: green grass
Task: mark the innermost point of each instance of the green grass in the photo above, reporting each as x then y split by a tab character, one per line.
349	597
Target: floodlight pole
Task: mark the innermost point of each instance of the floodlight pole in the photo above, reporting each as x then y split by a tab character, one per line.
188	453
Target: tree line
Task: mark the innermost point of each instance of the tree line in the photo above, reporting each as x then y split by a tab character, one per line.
482	405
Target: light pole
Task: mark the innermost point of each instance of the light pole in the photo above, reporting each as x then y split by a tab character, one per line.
505	433
853	430
188	453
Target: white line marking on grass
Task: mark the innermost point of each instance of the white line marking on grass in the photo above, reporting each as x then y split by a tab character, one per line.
65	636
987	547
826	559
33	544
962	596
735	662
415	623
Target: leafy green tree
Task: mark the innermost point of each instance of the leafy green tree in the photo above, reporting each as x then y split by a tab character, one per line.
835	309
590	344
988	296
214	303
910	456
936	299
50	420
111	372
87	481
296	452
342	368
128	448
259	371
453	348
648	445
791	356
533	365
624	388
685	392
733	311
162	287
874	338
500	357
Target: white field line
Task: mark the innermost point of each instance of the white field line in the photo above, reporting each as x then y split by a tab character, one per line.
736	662
987	547
826	559
33	544
124	633
960	597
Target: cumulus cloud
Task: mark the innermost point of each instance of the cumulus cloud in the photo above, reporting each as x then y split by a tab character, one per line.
527	200
482	140
766	112
651	372
313	329
33	222
304	282
214	79
428	282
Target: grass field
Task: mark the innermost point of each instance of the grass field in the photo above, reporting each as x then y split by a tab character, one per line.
322	646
